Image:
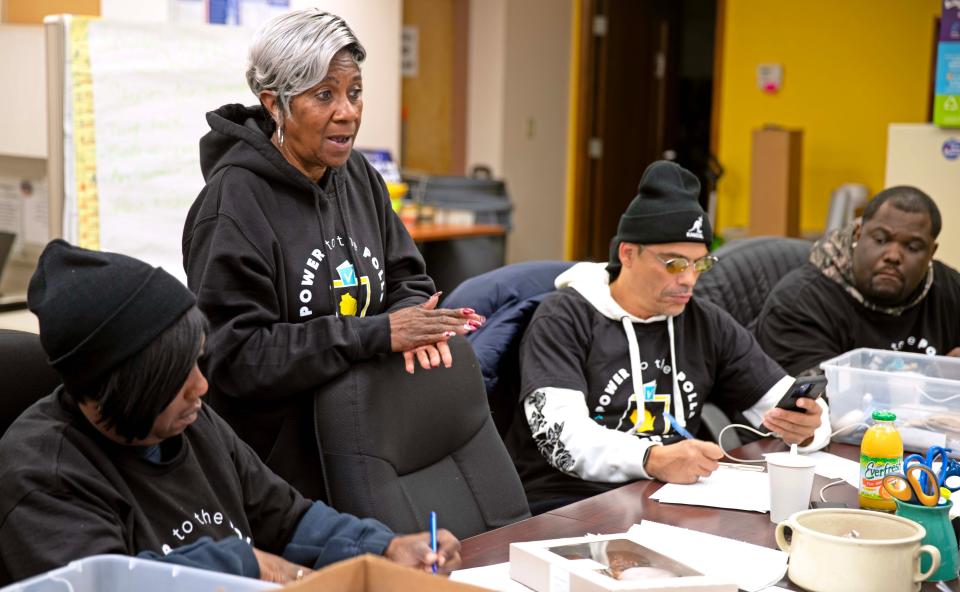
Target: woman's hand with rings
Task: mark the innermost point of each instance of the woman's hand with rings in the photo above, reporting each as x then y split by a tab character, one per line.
421	332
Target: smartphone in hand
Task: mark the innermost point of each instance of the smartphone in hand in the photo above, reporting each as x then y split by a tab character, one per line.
806	388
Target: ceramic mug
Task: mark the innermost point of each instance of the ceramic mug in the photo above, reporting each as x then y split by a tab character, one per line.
838	550
936	521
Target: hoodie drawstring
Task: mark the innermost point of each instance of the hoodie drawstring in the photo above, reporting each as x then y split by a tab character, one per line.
636	375
678	411
356	291
331	270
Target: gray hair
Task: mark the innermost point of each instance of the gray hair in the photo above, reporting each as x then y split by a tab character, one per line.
293	52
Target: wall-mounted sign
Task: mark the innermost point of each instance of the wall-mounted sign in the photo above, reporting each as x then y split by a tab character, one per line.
410	52
244	13
946	101
770	78
946	107
950	21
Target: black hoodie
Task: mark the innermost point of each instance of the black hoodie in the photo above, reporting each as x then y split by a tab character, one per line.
294	277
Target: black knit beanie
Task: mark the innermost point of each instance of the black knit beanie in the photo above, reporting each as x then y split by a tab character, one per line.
665	210
97	309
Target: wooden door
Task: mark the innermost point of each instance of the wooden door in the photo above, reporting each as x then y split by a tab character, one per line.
637	105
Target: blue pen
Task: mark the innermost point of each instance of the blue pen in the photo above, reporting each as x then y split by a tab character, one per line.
677	427
433	537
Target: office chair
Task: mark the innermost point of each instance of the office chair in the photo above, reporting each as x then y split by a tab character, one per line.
740	282
397	446
747	271
24	373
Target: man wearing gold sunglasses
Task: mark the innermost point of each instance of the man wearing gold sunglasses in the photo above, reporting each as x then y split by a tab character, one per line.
617	364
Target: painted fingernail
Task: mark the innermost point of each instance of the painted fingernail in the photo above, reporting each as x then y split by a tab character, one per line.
468	311
469	327
449	333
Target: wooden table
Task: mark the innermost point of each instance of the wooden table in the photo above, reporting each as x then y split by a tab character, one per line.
423	233
617	510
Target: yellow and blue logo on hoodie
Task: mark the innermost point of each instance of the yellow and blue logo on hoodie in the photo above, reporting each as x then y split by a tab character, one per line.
348	279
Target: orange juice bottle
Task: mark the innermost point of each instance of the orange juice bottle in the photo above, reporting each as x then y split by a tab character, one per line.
881	452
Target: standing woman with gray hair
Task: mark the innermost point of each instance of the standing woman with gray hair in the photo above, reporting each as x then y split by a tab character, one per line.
293	250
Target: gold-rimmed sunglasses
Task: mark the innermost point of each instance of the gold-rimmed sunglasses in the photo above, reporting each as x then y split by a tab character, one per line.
678	265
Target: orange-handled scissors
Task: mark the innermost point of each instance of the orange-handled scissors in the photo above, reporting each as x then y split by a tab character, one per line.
909	487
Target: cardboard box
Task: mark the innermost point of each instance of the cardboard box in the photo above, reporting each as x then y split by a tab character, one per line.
775	170
604	562
370	573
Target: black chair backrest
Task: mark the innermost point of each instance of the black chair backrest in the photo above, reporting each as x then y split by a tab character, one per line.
25	376
740	283
747	271
398	446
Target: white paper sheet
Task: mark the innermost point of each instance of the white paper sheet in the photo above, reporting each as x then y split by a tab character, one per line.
492	577
734	489
150	93
832	466
752	567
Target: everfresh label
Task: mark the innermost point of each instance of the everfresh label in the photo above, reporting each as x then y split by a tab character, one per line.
872	471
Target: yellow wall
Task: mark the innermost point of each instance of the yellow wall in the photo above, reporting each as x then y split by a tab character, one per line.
850	68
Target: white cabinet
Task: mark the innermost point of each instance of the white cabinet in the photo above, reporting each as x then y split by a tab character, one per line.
925	156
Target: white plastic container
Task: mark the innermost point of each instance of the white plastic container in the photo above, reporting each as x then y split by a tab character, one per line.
116	573
923	391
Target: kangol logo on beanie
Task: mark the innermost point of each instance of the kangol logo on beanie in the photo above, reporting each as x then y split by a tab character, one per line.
696	231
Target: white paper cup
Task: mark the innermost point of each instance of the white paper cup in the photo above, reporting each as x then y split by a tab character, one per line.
791	481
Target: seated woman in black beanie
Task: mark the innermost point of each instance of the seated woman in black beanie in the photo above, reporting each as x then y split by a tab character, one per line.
124	457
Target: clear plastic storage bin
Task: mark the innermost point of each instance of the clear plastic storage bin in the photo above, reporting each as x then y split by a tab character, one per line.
924	392
116	573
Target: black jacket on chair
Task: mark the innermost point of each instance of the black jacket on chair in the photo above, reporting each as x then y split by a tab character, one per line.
508	297
397	446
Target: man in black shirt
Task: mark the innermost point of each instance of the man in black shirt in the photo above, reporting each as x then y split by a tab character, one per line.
617	363
124	457
871	284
